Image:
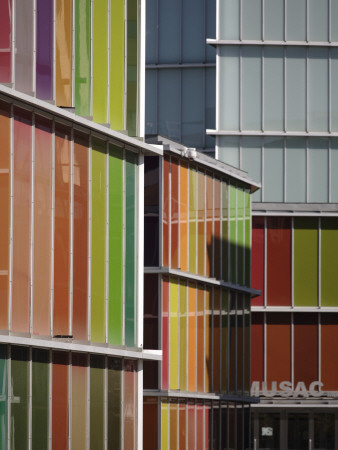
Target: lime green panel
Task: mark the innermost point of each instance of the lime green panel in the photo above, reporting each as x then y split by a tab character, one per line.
100	61
192	220
305	262
173	361
20	398
40	399
247	244
132	66
233	238
3	397
329	262
240	236
98	278
97	403
115	317
225	230
183	336
164	426
117	65
82	57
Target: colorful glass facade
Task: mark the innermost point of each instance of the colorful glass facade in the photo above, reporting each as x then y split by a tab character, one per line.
81	54
197	304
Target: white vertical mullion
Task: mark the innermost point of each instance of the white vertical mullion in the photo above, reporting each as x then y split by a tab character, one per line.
71	271
140	251
34	49
262	169
52	231
263	20
319	335
142	65
307	169
285	19
204	343
284	84
307	76
88	404
307	21
105	403
108	62
265	346
32	228
329	172
13	44
178	212
73	53
9	394
107	245
54	51
240	88
319	261
329	92
124	196
329	23
292	262
89	233
262	86
240	19
91	55
284	169
30	389
50	398
122	403
11	180
265	261
125	61
70	400
139	439
161	203
292	349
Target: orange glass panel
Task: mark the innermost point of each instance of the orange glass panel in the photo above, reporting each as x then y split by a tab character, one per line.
149	419
217	336
278	352
199	426
305	338
191	426
184	216
21	220
42	226
62	231
60	401
257	347
200	339
173	425
80	243
208	340
217	229
209	215
192	338
79	401
329	360
5	211
174	213
165	255
63	75
201	223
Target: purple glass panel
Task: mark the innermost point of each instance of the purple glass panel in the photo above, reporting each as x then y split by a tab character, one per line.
44	49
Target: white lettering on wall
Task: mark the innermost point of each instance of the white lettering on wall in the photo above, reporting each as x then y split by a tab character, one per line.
284	389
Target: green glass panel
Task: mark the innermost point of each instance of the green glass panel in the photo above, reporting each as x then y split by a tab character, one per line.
233	237
100	61
114	403
98	269
19	398
329	261
224	343
117	65
305	262
225	229
97	403
130	254
192	220
82	57
3	397
183	336
132	68
247	244
40	399
173	360
240	236
115	245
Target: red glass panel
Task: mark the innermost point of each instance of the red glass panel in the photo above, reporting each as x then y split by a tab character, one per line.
199	425
278	261
6	14
60	401
329	360
257	259
42	226
165	332
182	425
62	231
278	352
191	425
80	250
21	220
149	423
257	347
305	348
201	223
166	200
4	211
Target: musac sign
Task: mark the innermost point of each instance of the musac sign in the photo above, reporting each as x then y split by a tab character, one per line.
284	389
